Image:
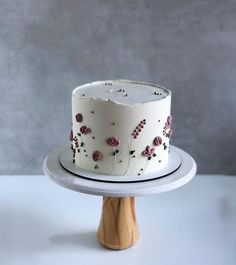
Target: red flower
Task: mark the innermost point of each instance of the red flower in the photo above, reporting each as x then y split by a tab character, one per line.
79	117
113	141
85	130
97	156
157	141
148	152
71	135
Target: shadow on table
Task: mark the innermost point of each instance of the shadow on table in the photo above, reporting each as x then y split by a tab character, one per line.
27	233
86	239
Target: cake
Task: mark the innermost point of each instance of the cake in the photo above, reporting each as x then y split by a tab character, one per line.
120	127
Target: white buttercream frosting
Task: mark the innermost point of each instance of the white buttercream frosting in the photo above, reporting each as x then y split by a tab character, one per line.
122	91
121	127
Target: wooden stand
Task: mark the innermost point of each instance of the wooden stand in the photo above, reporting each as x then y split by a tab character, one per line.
118	228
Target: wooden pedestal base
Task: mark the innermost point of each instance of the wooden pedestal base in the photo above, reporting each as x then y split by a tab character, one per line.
118	228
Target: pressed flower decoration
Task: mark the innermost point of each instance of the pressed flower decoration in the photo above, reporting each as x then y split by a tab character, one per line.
77	141
73	146
79	117
135	134
113	142
138	129
149	152
157	141
97	156
167	130
85	130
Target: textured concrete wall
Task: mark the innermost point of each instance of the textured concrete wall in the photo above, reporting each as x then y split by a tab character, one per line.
48	47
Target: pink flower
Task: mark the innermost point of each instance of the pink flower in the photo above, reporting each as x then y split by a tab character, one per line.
79	117
157	141
148	152
85	130
97	156
71	135
113	141
168	123
167	129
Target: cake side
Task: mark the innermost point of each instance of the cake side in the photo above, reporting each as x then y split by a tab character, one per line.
120	139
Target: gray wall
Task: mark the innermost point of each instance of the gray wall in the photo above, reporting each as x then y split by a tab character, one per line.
49	47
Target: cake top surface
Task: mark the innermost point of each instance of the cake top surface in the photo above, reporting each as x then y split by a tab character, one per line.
122	91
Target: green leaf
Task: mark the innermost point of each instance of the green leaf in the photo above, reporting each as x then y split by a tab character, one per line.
117	151
154	155
113	153
79	134
132	152
82	144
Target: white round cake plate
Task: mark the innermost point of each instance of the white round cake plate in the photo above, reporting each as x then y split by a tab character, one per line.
173	164
61	176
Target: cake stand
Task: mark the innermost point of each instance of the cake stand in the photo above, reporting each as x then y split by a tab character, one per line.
118	227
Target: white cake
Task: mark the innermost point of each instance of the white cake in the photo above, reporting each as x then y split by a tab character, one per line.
120	127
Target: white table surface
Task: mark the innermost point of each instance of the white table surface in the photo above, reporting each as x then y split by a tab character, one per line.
43	223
